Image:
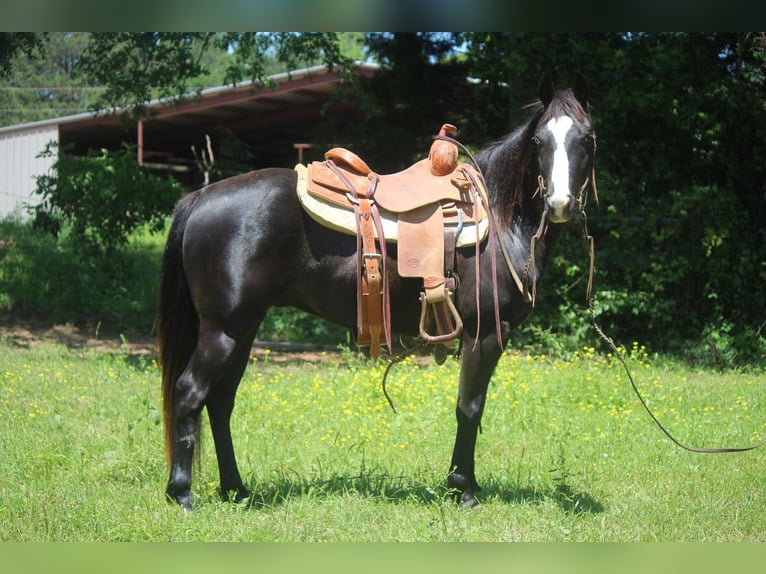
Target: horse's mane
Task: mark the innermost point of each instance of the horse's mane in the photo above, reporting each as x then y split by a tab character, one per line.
508	165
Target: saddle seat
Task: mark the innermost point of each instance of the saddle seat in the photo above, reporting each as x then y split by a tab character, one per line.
427	209
398	192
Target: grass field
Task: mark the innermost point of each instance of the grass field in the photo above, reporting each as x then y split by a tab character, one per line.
566	454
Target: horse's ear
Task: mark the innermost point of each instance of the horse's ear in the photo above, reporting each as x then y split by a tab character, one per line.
546	89
580	90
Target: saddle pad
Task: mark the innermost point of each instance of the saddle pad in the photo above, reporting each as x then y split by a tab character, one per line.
343	220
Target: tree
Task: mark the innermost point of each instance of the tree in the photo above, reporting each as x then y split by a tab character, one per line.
41	83
126	70
682	224
14	43
137	67
681	229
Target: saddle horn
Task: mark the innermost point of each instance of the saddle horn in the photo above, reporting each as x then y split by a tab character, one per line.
444	154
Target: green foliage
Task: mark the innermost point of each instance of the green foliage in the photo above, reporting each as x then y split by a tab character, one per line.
137	67
680	231
60	73
42	84
291	325
103	197
54	280
14	43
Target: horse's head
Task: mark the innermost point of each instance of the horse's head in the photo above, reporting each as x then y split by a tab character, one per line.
565	144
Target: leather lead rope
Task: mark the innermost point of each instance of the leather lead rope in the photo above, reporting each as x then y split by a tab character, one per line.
588	239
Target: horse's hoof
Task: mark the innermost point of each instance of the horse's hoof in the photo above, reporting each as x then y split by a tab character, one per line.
184	501
464	488
469	502
235	495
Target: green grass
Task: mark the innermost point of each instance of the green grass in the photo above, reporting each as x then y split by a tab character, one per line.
566	452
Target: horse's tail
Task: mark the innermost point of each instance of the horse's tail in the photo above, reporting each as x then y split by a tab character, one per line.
177	320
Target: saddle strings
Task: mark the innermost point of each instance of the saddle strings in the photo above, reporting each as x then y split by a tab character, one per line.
521	282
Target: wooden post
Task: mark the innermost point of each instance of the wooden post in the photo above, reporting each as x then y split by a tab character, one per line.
140	142
300	147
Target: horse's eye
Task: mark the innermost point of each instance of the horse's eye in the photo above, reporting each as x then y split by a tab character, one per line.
535	140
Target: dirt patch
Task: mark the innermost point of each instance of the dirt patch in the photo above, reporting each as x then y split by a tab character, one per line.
31	335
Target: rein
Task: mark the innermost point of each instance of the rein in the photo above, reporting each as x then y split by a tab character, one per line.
522	283
589	246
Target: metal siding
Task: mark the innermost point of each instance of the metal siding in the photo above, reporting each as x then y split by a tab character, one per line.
19	165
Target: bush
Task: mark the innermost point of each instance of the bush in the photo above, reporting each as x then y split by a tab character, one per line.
691	281
55	281
104	197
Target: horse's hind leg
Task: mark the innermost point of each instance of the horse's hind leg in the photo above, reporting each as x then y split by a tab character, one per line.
211	358
219	407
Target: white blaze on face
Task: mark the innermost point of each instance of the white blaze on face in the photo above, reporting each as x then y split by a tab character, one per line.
559	198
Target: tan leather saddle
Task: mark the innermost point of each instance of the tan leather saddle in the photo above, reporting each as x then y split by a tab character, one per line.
428	210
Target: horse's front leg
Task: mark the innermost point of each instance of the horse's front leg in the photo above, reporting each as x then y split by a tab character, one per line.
476	368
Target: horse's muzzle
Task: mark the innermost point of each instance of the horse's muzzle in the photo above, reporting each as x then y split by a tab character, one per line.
561	209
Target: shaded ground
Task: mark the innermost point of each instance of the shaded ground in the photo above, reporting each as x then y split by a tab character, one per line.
26	334
29	335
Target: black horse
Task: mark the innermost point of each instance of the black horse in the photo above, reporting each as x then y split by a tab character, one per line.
242	245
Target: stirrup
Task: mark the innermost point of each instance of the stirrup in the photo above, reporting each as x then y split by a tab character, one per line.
445	337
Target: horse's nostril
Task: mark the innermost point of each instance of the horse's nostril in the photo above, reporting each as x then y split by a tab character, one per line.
560	210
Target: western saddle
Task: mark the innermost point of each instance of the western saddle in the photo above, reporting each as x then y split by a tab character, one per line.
428	210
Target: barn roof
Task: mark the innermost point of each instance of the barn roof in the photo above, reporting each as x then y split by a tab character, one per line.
269	120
